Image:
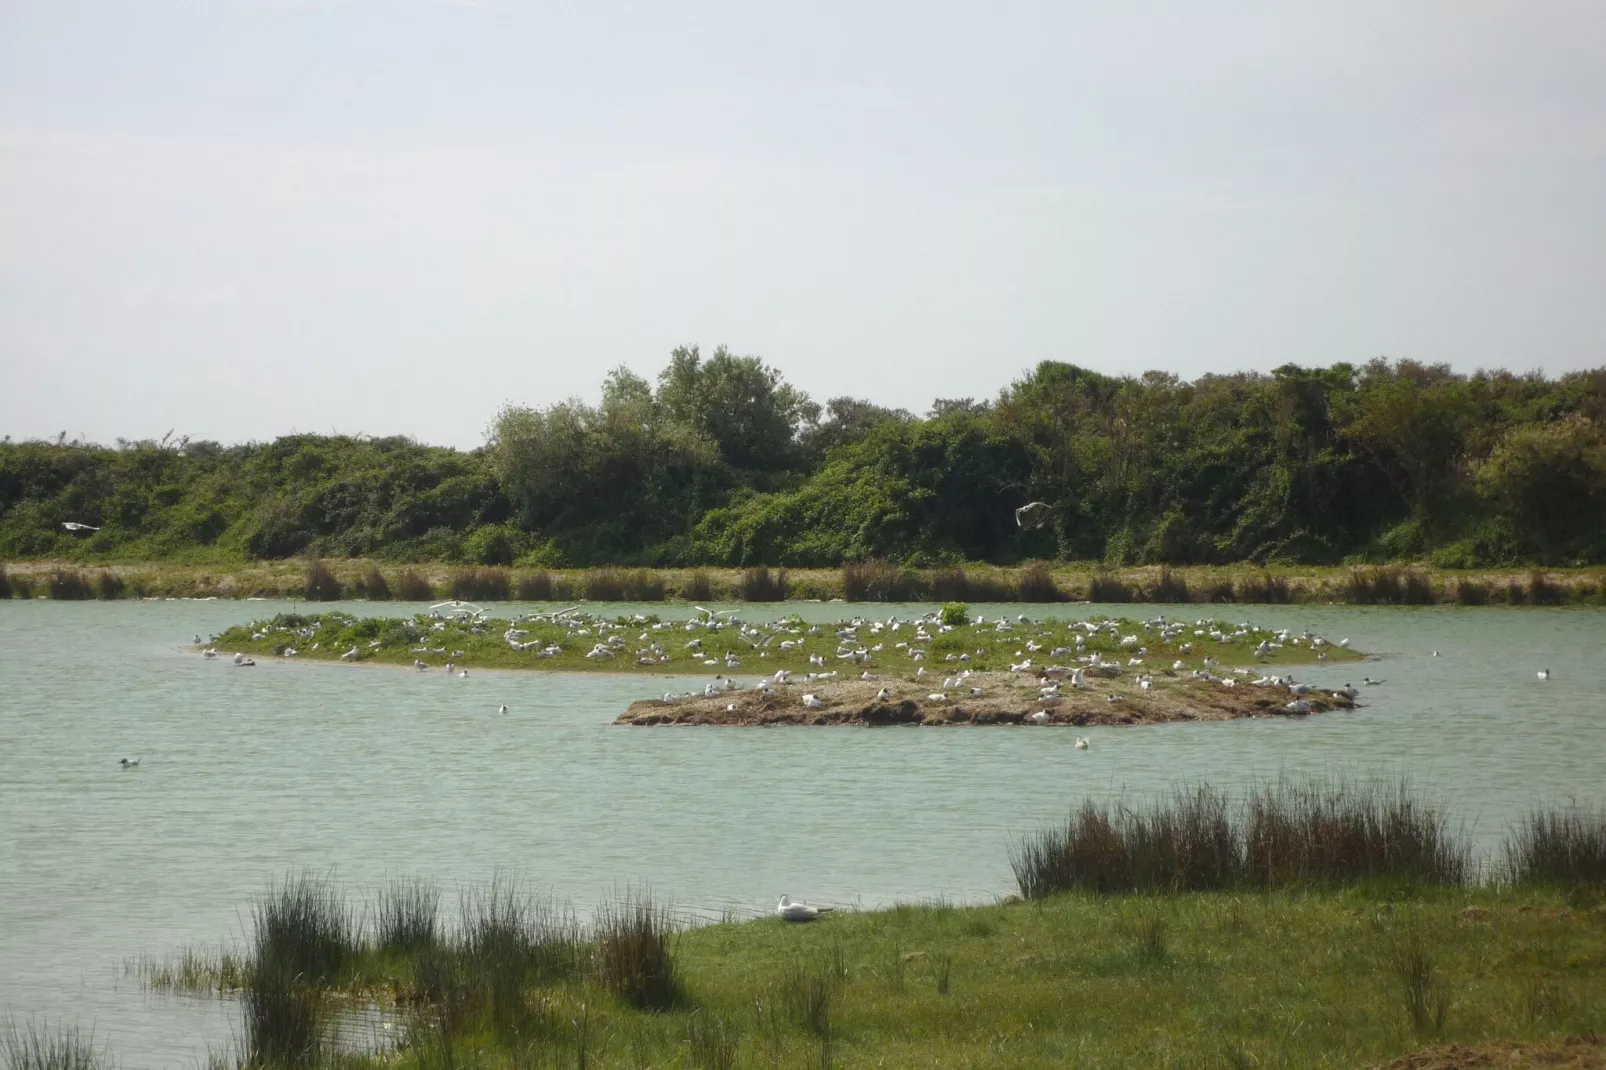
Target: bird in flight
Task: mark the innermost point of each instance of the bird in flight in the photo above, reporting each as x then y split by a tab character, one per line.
1032	514
73	525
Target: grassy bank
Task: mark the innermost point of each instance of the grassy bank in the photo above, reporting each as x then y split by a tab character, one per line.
1356	962
334	580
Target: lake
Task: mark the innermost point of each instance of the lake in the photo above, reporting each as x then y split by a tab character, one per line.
247	774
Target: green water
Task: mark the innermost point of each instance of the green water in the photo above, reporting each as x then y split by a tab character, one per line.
248	773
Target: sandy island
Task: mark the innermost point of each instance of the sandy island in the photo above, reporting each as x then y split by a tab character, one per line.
1006	699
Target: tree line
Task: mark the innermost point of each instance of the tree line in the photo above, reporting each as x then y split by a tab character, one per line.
722	462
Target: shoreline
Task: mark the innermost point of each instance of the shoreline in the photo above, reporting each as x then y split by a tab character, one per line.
367	580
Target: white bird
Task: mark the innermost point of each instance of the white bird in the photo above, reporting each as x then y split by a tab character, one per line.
1081	744
129	764
350	655
790	911
1032	512
463	674
1040	717
883	695
73	525
239	659
502	708
1544	674
813	702
209	654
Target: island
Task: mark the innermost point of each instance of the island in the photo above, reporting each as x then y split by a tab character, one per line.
941	668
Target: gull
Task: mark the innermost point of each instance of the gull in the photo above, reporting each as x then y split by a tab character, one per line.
883	695
73	525
350	655
1081	744
129	764
462	674
502	708
813	702
418	663
1544	674
1040	717
1031	511
209	654
790	911
1369	682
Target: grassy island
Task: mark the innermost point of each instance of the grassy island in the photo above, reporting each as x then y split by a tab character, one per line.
942	668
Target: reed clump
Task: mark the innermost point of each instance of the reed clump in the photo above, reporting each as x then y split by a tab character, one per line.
480	585
1283	835
303	929
109	586
635	957
412	587
880	581
35	1046
1541	592
538	586
1472	593
1036	584
1389	586
1104	587
958	585
372	585
407	916
322	585
1314	833
69	586
1170	587
1561	847
763	585
698	586
622	585
1265	589
5	583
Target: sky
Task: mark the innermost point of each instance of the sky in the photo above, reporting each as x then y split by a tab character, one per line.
235	219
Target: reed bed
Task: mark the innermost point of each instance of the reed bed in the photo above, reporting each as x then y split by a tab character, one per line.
66	585
480	585
1287	834
634	956
1104	587
372	585
698	586
1389	586
303	928
412	587
1265	589
406	916
881	581
622	585
7	589
974	585
763	585
322	585
1035	583
1561	847
1170	587
35	1046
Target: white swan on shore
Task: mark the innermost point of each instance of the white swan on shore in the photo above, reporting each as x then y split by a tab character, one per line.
790	911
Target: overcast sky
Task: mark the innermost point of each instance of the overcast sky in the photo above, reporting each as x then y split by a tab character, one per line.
239	218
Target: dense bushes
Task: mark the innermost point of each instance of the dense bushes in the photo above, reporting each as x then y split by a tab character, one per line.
723	463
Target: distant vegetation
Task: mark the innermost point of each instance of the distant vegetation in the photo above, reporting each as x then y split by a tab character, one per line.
722	463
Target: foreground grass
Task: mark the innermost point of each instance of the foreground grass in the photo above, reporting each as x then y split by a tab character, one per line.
358	578
1334	979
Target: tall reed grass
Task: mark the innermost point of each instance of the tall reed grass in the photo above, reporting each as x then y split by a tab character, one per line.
1389	586
304	929
1170	587
35	1046
407	915
1035	583
958	585
480	585
635	956
322	585
699	586
1564	847
69	586
1104	587
1265	589
1285	834
622	585
372	585
7	589
763	585
412	587
109	586
880	581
